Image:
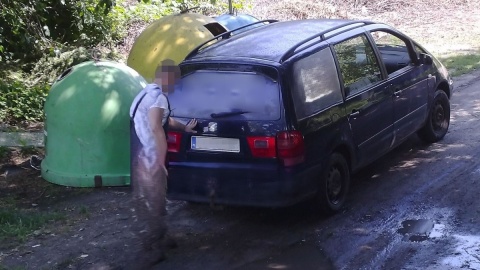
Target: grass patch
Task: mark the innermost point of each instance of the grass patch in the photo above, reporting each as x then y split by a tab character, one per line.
17	224
4	152
459	64
14	268
84	212
65	264
28	150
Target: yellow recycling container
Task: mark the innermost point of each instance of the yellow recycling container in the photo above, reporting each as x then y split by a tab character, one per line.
171	37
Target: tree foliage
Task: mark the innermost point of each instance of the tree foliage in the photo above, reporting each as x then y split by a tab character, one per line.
39	39
32	28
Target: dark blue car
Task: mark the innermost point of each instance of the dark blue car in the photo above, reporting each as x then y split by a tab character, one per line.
287	111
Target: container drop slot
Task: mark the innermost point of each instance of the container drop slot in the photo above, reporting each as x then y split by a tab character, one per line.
64	74
215	28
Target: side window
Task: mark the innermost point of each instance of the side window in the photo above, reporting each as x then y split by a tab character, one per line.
358	64
315	83
393	50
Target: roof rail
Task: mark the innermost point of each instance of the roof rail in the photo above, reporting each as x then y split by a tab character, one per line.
321	35
225	36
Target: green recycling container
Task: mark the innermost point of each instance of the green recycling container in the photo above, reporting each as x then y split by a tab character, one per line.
87	134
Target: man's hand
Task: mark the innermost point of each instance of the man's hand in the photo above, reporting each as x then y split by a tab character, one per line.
164	169
161	167
190	125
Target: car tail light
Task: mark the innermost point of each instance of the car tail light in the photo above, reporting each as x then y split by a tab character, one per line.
173	141
262	147
290	147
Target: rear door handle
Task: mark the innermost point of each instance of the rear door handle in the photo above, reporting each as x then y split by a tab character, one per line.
355	113
397	91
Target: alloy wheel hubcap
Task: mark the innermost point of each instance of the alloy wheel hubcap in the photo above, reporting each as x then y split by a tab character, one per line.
438	116
334	185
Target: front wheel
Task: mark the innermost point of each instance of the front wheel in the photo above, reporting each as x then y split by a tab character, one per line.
438	119
334	184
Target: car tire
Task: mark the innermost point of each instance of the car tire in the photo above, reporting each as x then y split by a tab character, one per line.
438	119
334	185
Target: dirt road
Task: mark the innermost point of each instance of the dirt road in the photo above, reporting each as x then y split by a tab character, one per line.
416	208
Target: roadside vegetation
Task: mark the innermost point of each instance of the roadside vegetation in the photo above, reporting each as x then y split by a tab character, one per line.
459	64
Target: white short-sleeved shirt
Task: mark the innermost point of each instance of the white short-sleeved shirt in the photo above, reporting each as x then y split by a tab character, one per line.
154	98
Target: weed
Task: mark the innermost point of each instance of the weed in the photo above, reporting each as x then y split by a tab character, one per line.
17	224
28	150
65	264
83	210
7	201
13	268
459	64
22	142
4	152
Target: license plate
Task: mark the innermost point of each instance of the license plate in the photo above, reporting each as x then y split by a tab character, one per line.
215	144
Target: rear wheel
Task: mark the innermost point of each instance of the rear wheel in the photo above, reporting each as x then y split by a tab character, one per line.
334	184
438	119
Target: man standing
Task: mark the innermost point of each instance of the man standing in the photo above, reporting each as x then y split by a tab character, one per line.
150	112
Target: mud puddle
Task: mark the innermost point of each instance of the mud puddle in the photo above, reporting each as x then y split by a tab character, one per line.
421	229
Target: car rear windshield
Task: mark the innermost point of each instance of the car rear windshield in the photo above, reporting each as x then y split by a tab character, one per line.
207	94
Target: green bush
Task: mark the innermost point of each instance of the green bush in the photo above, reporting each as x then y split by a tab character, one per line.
20	103
4	152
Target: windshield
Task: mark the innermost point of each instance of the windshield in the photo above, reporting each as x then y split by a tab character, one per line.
235	95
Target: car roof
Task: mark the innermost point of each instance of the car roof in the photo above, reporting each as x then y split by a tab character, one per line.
269	42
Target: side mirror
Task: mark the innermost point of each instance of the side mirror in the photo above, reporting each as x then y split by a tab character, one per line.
425	59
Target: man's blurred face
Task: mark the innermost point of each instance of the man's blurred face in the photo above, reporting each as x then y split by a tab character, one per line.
168	78
166	75
164	79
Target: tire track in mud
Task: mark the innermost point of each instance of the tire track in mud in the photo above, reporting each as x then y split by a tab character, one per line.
382	244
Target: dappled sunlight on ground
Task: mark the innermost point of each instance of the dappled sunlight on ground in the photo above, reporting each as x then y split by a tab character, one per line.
467	252
423	156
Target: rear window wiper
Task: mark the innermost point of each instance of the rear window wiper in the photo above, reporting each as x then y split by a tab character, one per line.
227	114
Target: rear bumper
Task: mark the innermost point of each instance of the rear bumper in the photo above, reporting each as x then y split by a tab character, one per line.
240	184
